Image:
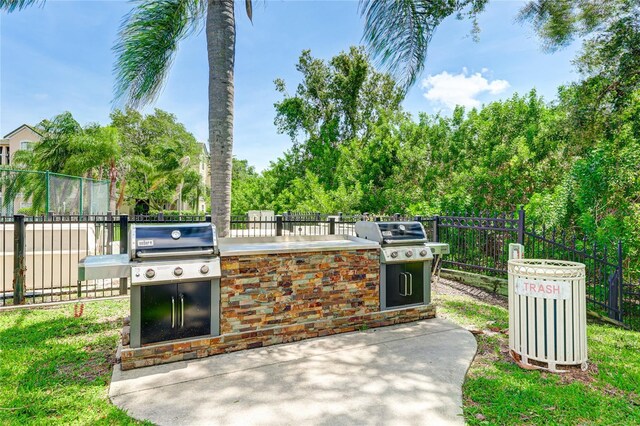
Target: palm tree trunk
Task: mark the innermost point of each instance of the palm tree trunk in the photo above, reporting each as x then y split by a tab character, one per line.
221	45
123	185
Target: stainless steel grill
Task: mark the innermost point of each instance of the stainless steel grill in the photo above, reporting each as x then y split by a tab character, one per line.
406	258
175	280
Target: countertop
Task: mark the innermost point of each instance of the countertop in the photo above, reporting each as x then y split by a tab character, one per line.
292	244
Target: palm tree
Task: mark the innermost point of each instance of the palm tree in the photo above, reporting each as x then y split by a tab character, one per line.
397	31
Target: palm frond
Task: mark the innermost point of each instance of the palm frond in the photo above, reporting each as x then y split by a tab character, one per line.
148	40
13	5
398	32
249	7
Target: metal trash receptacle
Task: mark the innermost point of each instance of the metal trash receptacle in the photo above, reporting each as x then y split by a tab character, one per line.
547	313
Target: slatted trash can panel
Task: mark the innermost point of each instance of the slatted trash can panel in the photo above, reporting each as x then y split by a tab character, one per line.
547	313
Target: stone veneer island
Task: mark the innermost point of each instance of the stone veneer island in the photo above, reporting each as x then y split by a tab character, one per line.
283	289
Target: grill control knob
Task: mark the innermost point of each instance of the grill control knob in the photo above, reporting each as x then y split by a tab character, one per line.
408	253
204	269
178	271
150	273
423	253
394	254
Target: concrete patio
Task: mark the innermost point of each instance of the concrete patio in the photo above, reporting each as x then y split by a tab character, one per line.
406	374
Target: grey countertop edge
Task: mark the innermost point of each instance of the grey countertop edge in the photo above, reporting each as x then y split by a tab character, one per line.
248	246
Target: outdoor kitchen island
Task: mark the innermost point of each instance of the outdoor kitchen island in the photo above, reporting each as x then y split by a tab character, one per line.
283	289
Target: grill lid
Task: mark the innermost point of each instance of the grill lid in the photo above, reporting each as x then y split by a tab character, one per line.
389	233
173	240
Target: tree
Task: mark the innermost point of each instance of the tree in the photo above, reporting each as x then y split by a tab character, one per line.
337	101
398	32
610	57
159	167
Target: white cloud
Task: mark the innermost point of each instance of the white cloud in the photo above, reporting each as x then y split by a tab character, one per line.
461	89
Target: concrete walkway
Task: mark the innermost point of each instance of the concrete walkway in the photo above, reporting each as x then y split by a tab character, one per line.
409	374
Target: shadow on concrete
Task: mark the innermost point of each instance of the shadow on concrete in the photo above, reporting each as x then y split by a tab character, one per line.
406	374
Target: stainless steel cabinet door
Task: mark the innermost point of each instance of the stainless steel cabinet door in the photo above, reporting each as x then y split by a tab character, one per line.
194	299
158	313
404	284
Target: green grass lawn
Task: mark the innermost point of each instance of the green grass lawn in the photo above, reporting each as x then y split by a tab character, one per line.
497	391
55	368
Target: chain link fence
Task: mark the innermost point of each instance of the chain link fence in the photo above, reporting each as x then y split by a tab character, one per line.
35	193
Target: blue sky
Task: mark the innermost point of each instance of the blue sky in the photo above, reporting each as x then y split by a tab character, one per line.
58	58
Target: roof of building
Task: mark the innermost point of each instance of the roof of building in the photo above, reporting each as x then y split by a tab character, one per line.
20	128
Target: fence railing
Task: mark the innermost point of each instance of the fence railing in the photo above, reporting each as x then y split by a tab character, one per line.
479	243
40	255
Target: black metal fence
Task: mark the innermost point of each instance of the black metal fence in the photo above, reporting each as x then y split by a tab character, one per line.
479	243
40	254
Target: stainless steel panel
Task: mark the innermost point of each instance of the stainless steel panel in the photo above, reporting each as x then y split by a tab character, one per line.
104	267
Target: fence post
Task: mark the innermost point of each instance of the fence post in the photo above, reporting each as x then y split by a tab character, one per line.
46	201
81	212
161	217
279	225
620	283
436	223
110	232
19	263
124	244
521	226
332	226
207	218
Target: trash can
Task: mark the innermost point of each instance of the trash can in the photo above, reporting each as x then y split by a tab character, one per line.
547	313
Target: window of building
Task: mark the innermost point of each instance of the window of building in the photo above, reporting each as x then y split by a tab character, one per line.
4	155
26	145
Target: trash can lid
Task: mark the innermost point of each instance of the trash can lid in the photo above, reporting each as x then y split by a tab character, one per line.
547	268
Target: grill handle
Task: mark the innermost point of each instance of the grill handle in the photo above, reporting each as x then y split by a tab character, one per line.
173	312
403	290
175	253
181	310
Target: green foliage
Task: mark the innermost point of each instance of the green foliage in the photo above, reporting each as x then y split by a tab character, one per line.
162	159
151	159
338	101
610	57
12	5
176	213
245	187
398	32
148	41
32	185
68	148
28	211
572	163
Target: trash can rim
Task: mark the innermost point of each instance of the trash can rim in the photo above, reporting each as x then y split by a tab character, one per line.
546	263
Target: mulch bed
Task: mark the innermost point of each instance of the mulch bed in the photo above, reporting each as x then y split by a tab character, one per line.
454	288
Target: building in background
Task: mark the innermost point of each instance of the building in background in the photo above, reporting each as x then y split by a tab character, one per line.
22	138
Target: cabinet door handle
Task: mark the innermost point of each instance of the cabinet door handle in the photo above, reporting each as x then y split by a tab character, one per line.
410	284
182	310
173	312
403	290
